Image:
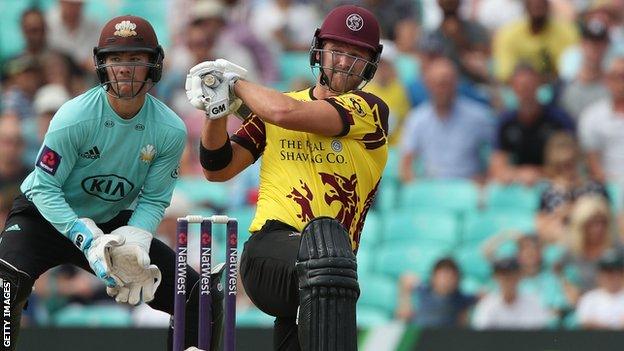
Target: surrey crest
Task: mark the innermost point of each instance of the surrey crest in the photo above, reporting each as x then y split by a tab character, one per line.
125	29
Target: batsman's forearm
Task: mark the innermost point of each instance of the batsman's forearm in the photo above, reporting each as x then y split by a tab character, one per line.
214	133
269	104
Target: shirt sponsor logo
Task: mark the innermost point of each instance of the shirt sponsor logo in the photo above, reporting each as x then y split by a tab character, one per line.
108	187
49	160
93	153
139	127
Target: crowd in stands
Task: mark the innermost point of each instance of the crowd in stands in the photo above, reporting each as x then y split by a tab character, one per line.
501	202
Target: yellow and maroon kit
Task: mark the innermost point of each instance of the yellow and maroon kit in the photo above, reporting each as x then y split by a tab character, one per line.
305	175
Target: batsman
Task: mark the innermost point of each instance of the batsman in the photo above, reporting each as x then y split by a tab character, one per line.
103	178
322	151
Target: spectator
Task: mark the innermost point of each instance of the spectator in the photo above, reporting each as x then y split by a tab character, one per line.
392	14
494	14
387	85
284	25
590	236
536	276
587	85
448	132
537	39
565	185
205	40
522	134
34	31
465	42
12	169
430	50
23	79
601	129
507	307
71	32
47	101
438	303
59	69
603	307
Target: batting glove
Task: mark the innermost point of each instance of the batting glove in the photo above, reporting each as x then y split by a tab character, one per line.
209	87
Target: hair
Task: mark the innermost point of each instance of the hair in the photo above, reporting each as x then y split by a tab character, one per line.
560	147
31	10
446	262
584	208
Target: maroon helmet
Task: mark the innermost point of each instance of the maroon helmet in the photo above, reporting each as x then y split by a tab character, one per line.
352	25
128	34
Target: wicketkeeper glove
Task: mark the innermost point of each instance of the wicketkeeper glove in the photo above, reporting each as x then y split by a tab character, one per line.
96	247
137	279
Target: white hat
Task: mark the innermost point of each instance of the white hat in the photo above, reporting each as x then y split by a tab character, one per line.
203	9
390	51
50	98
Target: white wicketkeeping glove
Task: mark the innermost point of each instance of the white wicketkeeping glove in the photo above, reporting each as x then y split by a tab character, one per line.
208	87
130	267
96	246
139	285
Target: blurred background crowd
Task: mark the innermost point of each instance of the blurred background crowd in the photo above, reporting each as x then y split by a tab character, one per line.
501	203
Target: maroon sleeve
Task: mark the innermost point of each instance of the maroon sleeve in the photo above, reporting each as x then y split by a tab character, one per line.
252	136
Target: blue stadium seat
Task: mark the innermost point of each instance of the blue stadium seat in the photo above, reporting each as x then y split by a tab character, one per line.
515	196
455	195
11	40
244	215
155	11
92	316
616	196
428	227
408	68
199	190
378	291
373	230
396	259
473	265
294	65
368	317
253	317
479	226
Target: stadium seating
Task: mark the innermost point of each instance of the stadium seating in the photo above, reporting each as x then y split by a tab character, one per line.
253	317
93	316
459	196
515	196
479	226
423	227
200	191
396	259
474	267
378	291
294	65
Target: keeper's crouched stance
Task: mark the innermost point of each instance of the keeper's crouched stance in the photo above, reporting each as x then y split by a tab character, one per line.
111	149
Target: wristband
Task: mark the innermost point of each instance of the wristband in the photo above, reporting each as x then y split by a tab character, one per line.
215	160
